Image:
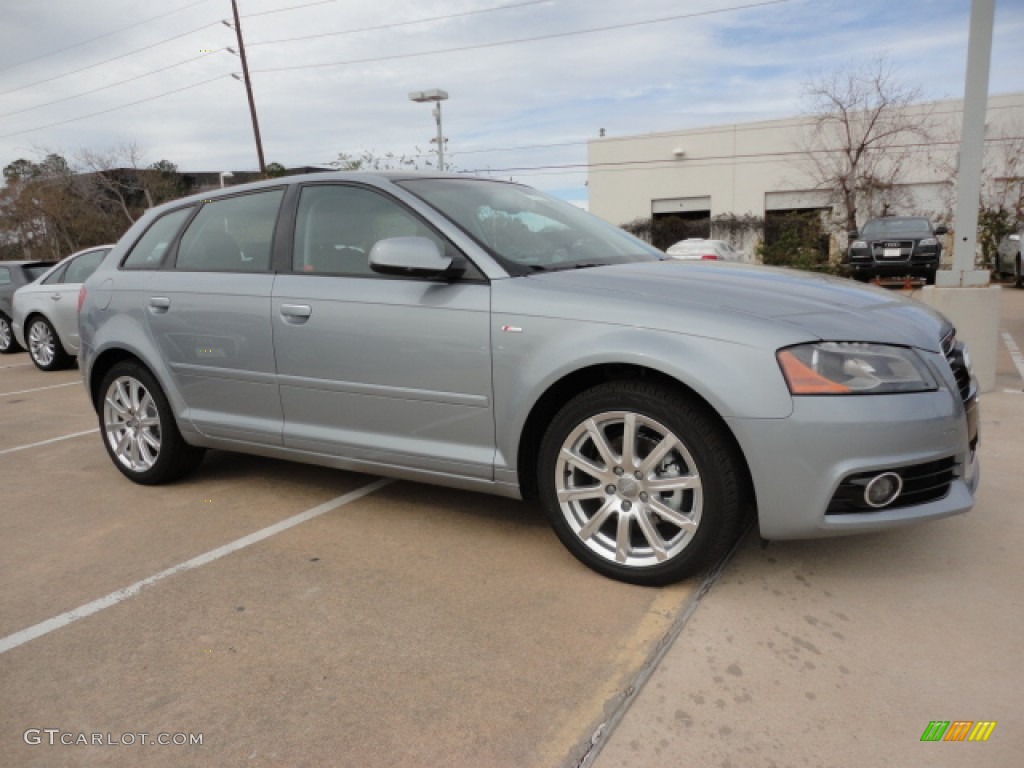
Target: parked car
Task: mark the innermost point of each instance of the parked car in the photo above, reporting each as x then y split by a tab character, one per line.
895	246
13	275
1008	257
706	250
45	313
482	335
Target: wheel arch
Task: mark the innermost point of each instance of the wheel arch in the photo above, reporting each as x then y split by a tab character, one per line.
572	384
106	360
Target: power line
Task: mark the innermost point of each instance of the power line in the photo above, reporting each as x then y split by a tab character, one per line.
100	37
508	6
516	41
107	61
113	109
112	85
289	8
681	164
683	133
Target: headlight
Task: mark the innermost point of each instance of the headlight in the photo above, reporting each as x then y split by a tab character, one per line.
858	244
929	241
845	368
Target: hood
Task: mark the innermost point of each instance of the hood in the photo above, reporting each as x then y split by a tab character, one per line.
829	308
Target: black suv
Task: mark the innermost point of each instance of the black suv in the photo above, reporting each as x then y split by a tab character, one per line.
895	246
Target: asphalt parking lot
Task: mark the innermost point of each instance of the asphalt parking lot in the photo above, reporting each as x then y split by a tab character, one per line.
291	616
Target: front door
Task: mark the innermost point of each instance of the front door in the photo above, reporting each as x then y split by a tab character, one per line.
391	370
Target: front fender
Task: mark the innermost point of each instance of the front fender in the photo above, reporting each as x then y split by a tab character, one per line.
737	380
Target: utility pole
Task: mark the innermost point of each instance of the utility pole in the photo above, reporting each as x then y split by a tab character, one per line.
248	89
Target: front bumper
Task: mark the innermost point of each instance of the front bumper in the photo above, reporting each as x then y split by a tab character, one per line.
798	463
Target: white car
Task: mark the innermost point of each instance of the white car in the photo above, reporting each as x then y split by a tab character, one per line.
696	248
1008	263
45	319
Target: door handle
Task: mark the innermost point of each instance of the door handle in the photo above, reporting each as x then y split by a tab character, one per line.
159	304
55	297
296	313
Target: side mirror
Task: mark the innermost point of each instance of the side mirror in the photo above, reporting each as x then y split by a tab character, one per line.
413	257
853	234
941	230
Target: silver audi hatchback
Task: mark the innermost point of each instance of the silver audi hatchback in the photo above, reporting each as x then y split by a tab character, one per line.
482	335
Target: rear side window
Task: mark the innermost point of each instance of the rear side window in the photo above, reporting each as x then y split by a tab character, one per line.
152	246
35	270
57	277
5	276
84	265
232	234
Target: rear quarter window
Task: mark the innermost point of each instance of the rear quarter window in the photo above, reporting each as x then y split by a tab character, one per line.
148	252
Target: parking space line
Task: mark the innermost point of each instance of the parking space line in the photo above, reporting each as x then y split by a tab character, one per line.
47	442
83	611
1015	353
38	389
15	365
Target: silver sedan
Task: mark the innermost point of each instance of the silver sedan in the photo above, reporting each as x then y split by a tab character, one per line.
45	317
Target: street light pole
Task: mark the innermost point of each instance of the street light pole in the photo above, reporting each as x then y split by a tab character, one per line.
248	89
436	96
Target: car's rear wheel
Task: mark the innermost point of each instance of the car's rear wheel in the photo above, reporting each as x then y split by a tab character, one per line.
640	482
8	344
1018	278
138	428
44	345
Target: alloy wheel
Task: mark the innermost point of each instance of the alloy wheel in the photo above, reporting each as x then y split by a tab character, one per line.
5	333
629	488
131	423
41	343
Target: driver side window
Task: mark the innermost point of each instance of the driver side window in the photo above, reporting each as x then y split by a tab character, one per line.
338	225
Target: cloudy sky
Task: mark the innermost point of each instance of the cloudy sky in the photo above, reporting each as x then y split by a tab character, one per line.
529	81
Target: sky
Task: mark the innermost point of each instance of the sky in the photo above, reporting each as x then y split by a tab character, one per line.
529	81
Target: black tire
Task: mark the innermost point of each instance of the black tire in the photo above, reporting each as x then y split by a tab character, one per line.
8	344
1018	278
44	345
136	427
614	529
929	277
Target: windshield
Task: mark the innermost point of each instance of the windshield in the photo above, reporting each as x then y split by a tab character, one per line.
883	227
526	230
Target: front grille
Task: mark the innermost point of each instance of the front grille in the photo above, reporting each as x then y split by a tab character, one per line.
957	362
878	249
922	483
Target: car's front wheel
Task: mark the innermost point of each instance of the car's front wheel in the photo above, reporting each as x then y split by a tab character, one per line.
640	482
138	427
44	345
8	344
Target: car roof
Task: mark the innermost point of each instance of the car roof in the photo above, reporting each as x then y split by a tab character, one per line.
360	176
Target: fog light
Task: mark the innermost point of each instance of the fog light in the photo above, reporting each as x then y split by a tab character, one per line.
883	490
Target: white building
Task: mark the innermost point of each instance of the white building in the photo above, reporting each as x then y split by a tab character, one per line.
762	169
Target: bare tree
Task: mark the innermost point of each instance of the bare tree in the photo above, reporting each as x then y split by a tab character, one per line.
370	160
49	209
119	176
864	125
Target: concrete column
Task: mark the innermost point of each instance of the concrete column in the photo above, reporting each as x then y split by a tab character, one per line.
963	293
975	313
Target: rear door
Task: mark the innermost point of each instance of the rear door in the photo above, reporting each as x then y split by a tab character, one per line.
61	295
208	311
390	370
